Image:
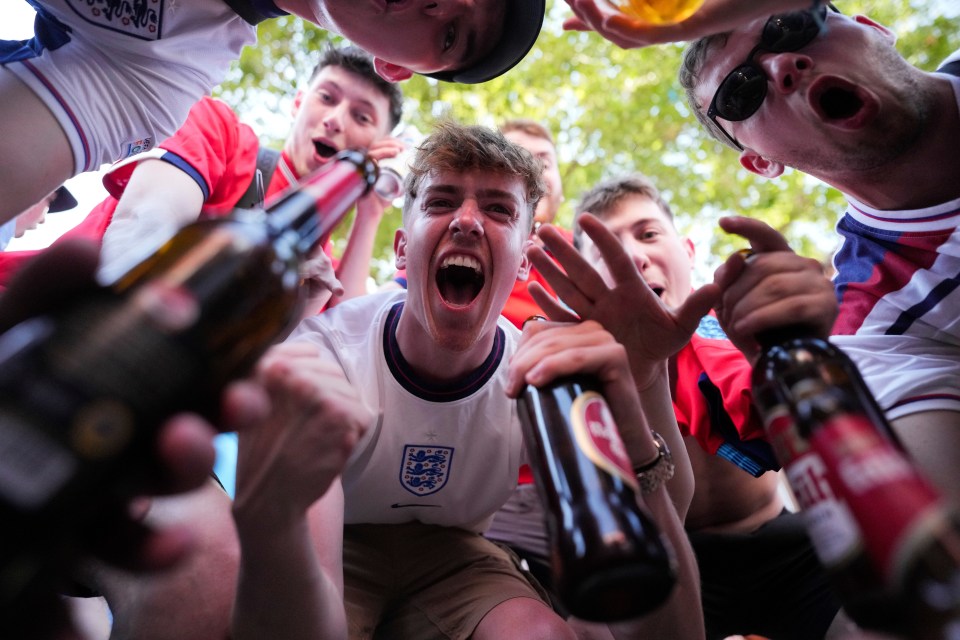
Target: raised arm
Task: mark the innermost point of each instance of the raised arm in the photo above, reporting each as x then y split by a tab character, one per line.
289	505
158	200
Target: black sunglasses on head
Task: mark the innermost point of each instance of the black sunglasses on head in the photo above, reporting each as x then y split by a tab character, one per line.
744	89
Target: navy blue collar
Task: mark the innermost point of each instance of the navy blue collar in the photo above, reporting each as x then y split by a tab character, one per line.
433	391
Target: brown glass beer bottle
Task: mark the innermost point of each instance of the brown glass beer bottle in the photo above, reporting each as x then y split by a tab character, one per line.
82	391
888	538
608	558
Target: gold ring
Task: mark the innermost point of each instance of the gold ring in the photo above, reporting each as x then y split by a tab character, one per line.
533	318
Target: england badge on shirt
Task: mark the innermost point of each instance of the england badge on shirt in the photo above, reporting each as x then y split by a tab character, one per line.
141	19
425	469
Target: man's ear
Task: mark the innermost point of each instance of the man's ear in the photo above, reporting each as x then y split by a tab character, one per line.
756	163
524	272
391	72
400	248
691	250
864	20
297	101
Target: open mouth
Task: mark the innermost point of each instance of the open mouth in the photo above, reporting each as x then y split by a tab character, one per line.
658	290
459	280
324	150
840	103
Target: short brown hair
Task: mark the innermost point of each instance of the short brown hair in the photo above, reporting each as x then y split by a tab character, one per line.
694	57
459	148
529	127
603	198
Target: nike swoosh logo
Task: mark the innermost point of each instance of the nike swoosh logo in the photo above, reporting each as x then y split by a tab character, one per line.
397	505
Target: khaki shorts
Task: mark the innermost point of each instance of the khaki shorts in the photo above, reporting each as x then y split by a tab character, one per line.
416	581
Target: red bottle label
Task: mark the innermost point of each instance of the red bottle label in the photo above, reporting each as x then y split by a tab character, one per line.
890	500
829	522
597	436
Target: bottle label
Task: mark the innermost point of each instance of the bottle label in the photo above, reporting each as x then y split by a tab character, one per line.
829	522
32	466
130	350
109	361
786	441
890	500
597	436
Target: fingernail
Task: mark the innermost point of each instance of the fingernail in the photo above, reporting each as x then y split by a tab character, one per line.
533	318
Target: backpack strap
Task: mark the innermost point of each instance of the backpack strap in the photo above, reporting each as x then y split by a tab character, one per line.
267	160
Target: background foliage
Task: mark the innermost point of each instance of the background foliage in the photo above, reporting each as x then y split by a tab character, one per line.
611	111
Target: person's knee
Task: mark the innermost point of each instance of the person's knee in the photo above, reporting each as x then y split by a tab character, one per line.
551	627
524	619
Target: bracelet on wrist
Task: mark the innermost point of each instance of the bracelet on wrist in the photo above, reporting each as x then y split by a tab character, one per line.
653	474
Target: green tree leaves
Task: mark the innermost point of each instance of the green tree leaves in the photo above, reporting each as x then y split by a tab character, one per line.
611	111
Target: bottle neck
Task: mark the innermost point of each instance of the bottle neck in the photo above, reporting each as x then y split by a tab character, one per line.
780	335
310	211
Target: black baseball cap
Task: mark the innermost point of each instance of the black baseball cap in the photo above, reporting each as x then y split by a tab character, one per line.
63	201
521	26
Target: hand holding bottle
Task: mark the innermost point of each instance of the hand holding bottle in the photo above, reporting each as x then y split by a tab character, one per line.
182	454
888	538
86	389
550	350
184	449
609	561
779	287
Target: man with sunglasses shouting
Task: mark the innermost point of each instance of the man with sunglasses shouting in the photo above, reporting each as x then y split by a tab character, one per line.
829	95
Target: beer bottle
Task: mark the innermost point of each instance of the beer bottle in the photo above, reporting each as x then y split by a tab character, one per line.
884	533
608	558
82	391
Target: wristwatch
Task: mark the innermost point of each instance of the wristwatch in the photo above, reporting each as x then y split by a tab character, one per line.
653	474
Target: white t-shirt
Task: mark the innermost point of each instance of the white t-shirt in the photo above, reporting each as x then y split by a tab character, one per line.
446	455
898	282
